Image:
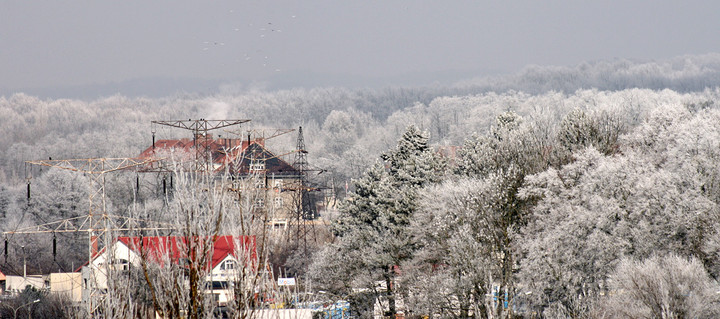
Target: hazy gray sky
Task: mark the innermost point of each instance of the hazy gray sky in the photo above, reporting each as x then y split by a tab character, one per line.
70	43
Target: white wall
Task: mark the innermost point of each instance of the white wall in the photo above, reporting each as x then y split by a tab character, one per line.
16	284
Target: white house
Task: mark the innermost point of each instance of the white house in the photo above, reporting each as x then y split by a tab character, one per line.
222	267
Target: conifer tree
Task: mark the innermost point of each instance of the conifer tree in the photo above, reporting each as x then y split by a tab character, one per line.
372	230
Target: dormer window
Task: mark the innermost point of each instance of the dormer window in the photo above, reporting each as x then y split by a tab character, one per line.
228	265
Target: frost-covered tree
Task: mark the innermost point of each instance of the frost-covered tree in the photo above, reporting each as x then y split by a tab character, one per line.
372	231
660	287
598	209
599	129
342	130
512	147
510	152
357	258
59	194
458	229
653	196
54	196
684	141
171	275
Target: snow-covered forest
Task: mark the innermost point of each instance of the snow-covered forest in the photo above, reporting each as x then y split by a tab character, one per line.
583	192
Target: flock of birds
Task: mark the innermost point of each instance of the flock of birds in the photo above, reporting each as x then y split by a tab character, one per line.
263	30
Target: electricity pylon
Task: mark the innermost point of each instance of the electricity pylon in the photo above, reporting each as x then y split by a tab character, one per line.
201	138
97	223
304	210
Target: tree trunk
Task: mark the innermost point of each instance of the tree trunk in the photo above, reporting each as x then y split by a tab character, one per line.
390	295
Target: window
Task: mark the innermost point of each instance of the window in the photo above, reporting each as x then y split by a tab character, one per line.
279	224
260	203
227	265
278	202
257	166
216	285
123	264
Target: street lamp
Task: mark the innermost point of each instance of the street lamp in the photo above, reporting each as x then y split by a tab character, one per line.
23	305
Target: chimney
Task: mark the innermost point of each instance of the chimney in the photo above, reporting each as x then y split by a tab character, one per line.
94	245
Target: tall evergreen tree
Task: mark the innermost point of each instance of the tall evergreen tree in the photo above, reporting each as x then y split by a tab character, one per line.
372	230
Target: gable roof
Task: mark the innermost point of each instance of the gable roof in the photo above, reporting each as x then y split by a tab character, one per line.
175	248
226	151
257	152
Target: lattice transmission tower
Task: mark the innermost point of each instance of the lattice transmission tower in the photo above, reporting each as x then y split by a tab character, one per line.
98	224
304	205
201	137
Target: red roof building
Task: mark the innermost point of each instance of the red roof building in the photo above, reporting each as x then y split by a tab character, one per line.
176	249
228	257
237	155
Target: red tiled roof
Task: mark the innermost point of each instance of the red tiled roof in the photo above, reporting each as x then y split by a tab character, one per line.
176	248
216	146
225	151
157	247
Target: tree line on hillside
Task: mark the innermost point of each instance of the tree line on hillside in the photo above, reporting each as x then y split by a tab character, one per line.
344	142
344	129
34	128
606	218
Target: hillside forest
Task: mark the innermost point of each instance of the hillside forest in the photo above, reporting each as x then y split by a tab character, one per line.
582	192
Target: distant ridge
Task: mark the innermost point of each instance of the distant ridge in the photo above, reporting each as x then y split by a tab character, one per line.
686	73
689	73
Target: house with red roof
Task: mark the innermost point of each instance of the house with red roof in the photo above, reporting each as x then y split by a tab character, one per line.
224	259
241	157
248	162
